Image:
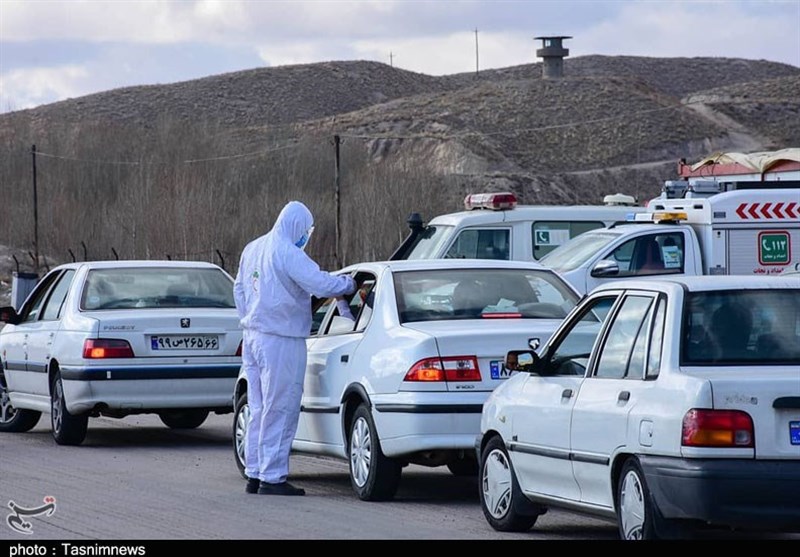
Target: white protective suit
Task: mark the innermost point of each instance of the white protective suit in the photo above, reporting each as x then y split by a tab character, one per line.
273	290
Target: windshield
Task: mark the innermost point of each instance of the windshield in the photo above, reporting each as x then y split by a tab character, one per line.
576	252
157	287
430	241
454	294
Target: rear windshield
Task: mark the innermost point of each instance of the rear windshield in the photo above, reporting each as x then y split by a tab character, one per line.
481	294
753	327
156	287
430	242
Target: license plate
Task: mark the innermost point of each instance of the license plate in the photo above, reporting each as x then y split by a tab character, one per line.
794	432
184	342
498	369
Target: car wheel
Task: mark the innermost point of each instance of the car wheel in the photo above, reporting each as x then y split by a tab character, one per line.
373	475
464	466
184	419
505	507
68	429
15	420
241	420
637	515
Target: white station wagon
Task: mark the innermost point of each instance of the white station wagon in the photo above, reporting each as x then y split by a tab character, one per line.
114	338
669	406
405	380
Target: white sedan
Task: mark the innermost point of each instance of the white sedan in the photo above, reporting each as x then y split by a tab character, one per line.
404	381
115	338
668	406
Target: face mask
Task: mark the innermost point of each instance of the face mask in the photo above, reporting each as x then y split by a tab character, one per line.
301	243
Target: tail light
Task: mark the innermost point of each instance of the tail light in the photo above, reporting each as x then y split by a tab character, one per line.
99	348
239	349
717	428
452	368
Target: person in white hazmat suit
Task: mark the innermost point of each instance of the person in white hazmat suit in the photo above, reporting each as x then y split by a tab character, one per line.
273	290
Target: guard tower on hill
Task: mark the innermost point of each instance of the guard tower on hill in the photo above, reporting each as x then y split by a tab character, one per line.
552	53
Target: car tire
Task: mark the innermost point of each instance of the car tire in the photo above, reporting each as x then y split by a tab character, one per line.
241	420
68	429
184	419
15	420
373	475
505	507
638	516
464	466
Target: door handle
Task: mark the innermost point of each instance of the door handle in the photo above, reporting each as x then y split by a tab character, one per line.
624	396
566	393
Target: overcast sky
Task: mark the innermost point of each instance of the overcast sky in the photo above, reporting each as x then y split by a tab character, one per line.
56	49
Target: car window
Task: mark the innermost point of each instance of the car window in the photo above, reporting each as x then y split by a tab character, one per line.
55	303
623	351
576	252
491	243
548	235
359	308
157	287
654	355
31	310
654	254
477	293
570	354
320	308
430	241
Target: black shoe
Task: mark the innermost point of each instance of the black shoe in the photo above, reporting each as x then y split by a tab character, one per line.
283	488
252	485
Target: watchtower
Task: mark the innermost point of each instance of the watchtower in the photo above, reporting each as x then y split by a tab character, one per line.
552	53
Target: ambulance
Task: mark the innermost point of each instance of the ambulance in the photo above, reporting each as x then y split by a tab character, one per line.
734	219
496	226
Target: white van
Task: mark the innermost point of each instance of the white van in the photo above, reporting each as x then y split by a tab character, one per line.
495	226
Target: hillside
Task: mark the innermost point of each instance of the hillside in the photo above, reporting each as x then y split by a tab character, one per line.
194	169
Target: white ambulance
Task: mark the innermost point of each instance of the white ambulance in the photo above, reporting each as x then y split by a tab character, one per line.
699	228
496	226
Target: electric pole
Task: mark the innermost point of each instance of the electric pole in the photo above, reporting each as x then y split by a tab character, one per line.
476	52
35	215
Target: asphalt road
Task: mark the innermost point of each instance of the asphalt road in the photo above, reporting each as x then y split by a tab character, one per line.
136	479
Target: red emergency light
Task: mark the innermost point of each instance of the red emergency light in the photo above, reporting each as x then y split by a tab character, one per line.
494	201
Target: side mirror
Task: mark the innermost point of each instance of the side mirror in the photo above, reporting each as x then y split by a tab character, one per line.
9	315
605	268
521	360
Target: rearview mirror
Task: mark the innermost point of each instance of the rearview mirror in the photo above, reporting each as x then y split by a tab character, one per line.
605	268
9	315
521	360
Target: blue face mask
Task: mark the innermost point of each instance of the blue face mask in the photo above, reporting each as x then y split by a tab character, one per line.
301	243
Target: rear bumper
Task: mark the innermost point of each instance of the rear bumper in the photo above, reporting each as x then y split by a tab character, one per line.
745	494
149	387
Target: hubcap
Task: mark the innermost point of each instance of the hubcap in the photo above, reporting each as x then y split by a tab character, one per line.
57	409
496	484
7	412
242	420
631	504
360	452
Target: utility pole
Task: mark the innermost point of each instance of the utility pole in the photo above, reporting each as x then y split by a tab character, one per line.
391	59
337	140
35	215
476	52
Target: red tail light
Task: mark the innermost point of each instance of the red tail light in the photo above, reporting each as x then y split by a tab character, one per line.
717	428
239	349
452	368
99	348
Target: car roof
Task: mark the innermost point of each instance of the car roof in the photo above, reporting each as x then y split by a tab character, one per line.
127	263
536	212
704	283
437	264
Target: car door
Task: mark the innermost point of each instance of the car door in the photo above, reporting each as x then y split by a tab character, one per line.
624	367
42	332
329	369
19	378
540	444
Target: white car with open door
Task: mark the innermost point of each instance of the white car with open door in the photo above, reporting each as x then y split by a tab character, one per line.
405	381
667	405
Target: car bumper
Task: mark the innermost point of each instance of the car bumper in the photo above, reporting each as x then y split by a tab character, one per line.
144	388
745	494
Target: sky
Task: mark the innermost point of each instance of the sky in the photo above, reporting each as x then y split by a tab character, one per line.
51	50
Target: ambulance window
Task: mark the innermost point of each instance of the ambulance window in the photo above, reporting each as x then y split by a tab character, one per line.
653	254
548	235
492	243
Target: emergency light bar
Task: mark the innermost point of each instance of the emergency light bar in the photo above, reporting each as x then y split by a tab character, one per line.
494	201
660	216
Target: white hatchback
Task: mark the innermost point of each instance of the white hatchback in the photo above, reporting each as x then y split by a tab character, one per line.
406	380
668	406
114	338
